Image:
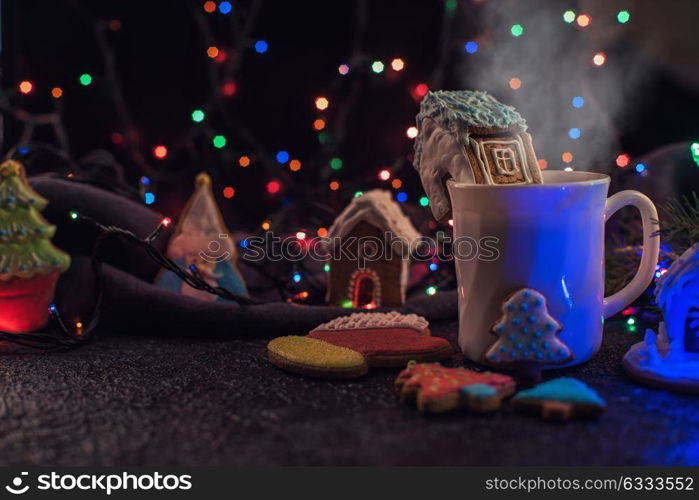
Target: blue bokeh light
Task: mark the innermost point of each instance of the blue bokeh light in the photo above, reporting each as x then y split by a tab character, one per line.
261	46
574	133
577	102
471	47
282	157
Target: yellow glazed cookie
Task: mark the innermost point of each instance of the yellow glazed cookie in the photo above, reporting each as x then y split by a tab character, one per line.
315	358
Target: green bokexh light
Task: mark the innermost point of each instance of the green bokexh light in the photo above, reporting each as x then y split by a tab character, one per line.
569	16
695	152
450	5
336	163
431	290
347	303
517	30
198	115
357	194
424	201
623	16
219	141
326	268
86	79
377	67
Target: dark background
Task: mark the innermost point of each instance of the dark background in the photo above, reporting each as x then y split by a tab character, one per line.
159	52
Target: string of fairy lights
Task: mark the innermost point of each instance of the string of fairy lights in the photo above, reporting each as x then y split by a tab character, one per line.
225	58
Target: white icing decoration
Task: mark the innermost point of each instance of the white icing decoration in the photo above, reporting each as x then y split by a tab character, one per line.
377	285
677	293
659	356
359	321
478	147
378	209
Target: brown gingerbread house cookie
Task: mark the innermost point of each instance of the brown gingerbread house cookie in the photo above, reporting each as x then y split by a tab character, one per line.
471	137
370	244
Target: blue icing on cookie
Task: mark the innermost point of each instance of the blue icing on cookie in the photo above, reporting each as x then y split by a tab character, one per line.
516	321
532	319
527	294
566	389
478	391
524	307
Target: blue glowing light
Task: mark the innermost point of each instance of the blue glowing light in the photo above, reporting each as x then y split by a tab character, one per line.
297	277
52	308
145	180
574	133
149	198
640	167
471	47
244	243
261	46
224	7
282	157
401	197
577	102
23	151
433	266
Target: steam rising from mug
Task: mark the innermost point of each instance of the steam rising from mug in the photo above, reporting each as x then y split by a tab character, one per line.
553	61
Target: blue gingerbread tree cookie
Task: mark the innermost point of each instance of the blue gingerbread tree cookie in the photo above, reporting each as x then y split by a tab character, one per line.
527	336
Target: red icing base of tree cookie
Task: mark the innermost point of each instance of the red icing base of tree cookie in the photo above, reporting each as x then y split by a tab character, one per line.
24	303
389	347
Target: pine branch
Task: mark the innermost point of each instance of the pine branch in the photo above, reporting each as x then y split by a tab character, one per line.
680	223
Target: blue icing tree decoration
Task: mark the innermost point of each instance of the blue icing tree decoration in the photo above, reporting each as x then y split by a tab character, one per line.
527	336
565	389
478	391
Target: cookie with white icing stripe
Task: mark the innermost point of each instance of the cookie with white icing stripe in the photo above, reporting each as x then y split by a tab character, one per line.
385	339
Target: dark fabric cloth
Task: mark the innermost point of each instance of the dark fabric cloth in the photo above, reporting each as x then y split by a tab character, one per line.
133	303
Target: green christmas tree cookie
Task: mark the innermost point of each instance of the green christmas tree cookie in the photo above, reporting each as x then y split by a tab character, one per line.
29	263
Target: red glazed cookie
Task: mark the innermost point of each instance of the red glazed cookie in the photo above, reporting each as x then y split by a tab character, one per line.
385	339
436	389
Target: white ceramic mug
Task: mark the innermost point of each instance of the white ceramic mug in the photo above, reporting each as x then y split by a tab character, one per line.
550	237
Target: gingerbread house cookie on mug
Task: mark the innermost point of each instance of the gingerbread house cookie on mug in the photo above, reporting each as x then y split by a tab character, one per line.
471	137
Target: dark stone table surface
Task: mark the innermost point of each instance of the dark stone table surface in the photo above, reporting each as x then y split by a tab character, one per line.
127	399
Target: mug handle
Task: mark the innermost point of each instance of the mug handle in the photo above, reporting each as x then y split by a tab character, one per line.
651	248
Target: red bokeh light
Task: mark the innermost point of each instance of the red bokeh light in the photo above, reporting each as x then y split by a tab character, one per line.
273	187
160	152
420	90
229	88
